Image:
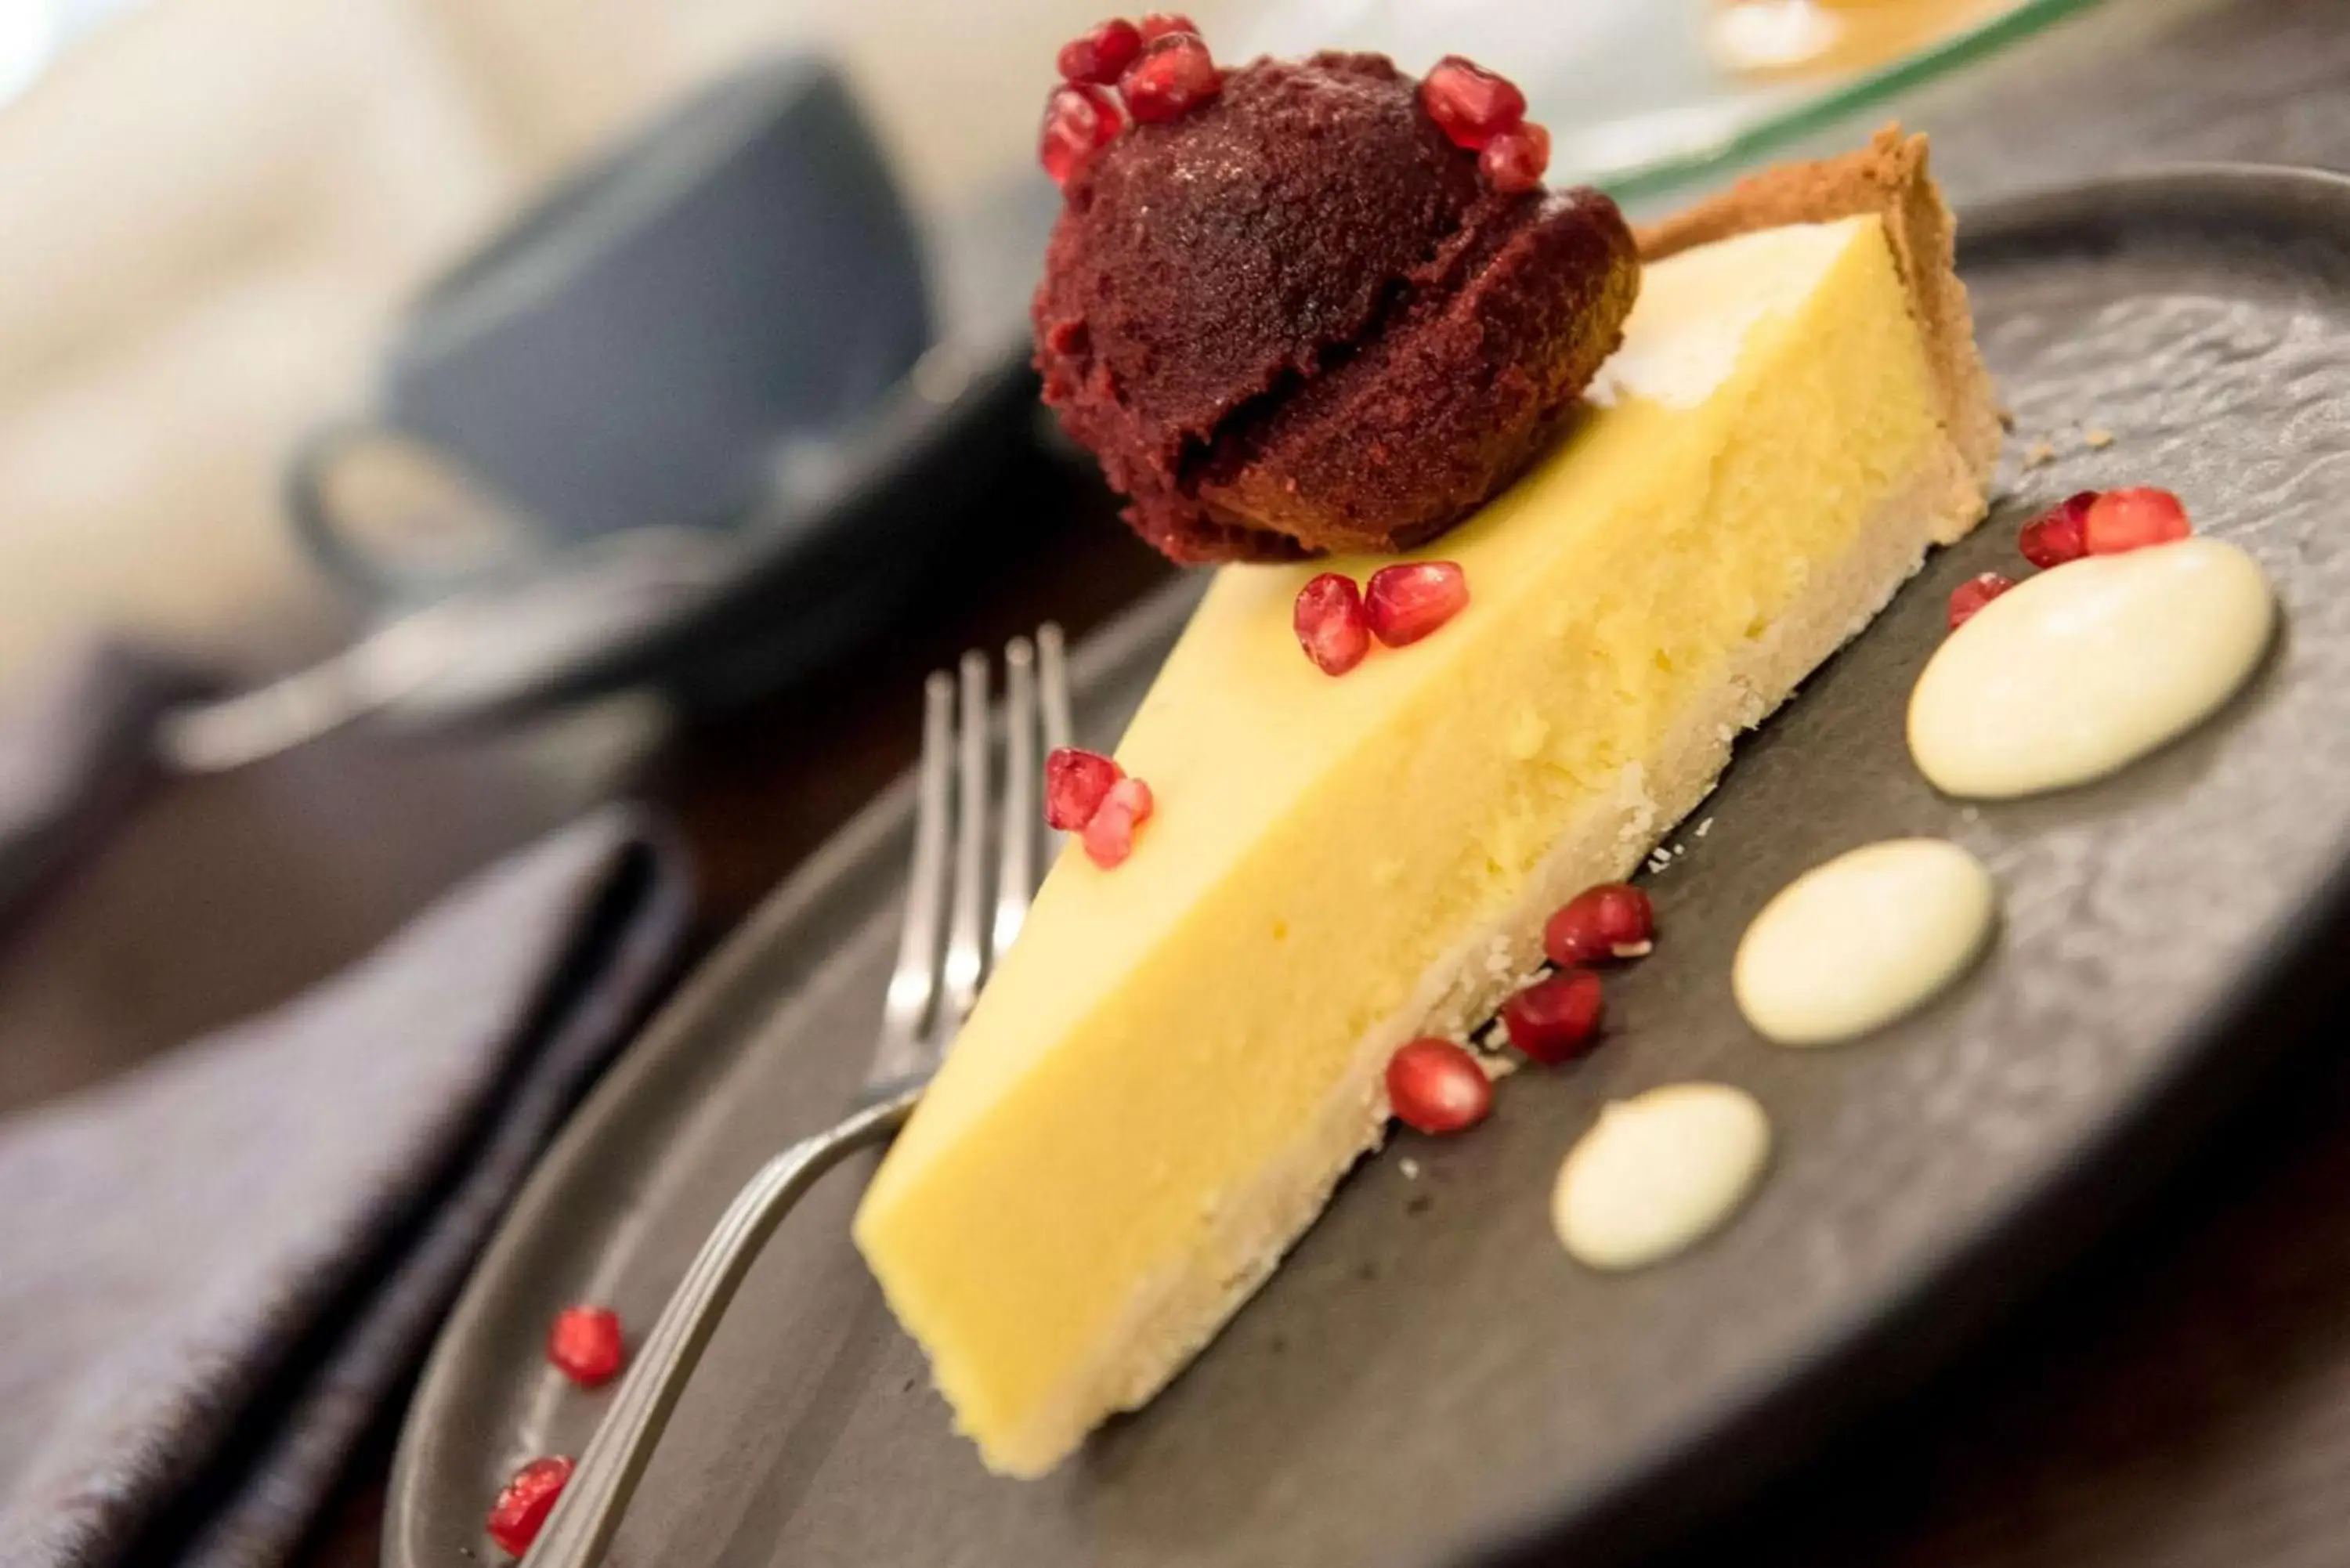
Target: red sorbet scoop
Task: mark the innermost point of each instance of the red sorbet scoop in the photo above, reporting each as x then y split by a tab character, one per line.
1298	319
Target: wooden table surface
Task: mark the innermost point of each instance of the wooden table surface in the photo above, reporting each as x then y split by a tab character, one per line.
2182	1397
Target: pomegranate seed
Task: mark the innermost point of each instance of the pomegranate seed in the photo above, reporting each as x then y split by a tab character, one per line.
1076	781
1514	161
1102	55
1109	837
1436	1086
1554	1020
2132	519
1406	603
1157	24
1174	76
585	1344
2053	538
1079	122
1469	103
526	1501
1970	596
1612	920
1331	626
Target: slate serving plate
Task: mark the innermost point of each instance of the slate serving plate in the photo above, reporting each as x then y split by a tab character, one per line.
1429	1379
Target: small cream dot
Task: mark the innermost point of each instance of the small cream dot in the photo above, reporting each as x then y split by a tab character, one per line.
1854	944
1658	1172
2079	671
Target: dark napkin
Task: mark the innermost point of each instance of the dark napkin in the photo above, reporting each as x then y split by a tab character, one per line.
215	1270
75	743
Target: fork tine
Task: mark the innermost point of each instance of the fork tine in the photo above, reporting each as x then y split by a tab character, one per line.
1053	676
1015	875
915	979
963	959
1053	683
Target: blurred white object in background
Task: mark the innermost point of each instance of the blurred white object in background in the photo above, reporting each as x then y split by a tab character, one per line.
34	32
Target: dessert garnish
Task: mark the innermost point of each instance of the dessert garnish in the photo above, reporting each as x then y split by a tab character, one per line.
1487	115
2055	537
2133	519
2082	669
1080	120
1089	794
1108	834
1335	620
1438	1086
1659	1172
1555	1019
1973	594
1172	76
585	1344
1406	603
526	1501
1852	944
1099	58
1613	920
1076	781
1330	624
1291	310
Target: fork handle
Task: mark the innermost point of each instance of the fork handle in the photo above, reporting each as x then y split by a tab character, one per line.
581	1526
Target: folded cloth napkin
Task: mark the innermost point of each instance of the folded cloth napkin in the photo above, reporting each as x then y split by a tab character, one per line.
217	1269
75	745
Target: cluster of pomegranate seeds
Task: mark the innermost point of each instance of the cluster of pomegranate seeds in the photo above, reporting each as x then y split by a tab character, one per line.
2055	537
1613	920
584	1343
1076	781
526	1501
1436	1087
1486	114
1335	621
1089	795
1080	120
1109	837
1406	603
1330	623
1101	56
1557	1019
2132	519
1159	67
2087	523
1973	594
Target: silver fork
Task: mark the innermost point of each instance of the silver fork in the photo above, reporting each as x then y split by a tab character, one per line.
931	992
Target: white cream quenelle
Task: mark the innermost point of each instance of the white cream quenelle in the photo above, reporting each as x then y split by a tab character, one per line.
1852	944
2085	668
1658	1172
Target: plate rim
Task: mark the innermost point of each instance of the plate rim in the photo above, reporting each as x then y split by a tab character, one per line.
1781	1410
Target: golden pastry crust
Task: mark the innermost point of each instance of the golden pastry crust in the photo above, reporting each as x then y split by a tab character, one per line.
1890	178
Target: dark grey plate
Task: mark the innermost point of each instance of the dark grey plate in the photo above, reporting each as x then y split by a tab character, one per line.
1427	1376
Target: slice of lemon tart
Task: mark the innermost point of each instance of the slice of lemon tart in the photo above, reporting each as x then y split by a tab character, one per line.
1181	1055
